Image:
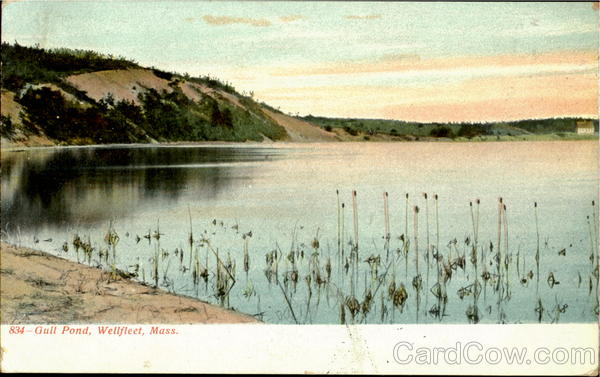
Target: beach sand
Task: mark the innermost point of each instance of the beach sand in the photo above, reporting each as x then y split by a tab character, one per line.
40	288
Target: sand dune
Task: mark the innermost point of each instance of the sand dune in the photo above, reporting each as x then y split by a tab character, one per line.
44	289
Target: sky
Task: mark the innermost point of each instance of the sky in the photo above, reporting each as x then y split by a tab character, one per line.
414	61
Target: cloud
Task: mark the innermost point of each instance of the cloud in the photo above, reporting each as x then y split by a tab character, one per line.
477	99
366	17
225	20
468	88
291	18
414	63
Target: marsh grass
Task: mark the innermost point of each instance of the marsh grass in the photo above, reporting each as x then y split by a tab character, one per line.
314	280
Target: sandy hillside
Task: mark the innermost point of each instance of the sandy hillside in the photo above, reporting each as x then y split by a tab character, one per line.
123	84
299	130
127	84
40	288
9	107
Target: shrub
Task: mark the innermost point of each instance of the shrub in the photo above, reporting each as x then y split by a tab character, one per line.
62	120
470	130
350	130
162	74
441	131
7	128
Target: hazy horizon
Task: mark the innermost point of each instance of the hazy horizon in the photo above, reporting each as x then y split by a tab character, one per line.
428	62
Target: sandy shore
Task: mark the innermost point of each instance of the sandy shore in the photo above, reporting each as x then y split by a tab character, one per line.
37	287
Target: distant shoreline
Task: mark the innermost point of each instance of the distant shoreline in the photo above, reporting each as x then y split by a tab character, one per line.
373	139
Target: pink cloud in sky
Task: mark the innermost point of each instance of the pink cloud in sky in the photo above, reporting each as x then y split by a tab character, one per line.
489	88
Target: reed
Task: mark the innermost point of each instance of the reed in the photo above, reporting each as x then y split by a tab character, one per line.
246	255
77	244
155	262
355	221
595	229
111	238
339	230
473	312
507	255
190	237
343	236
416	235
417	281
354	253
386	222
499	262
428	248
289	303
406	238
437	238
406	216
537	249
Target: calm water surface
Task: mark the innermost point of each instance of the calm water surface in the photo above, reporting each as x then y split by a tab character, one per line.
276	201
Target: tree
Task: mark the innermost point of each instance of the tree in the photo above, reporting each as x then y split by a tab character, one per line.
469	130
442	131
7	129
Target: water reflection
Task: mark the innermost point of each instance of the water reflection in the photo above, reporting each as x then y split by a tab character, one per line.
285	197
81	185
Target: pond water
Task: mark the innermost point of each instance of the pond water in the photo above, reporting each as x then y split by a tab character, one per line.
270	237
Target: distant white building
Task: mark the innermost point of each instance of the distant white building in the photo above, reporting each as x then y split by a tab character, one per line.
585	127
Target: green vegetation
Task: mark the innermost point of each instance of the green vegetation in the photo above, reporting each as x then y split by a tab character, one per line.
34	65
173	116
49	112
7	128
489	131
442	131
168	115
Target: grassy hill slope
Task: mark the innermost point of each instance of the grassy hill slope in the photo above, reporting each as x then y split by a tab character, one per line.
82	97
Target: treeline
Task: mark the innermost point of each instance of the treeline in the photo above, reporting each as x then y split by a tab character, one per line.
447	130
